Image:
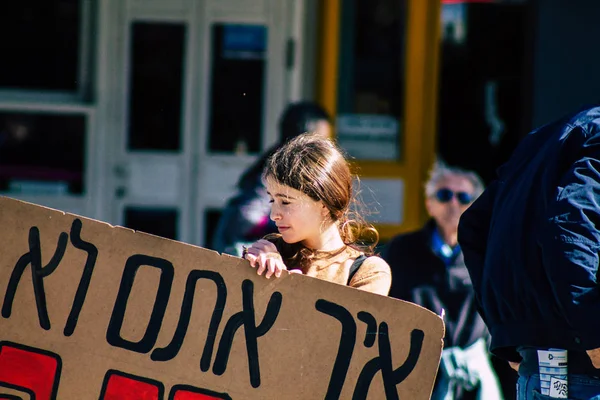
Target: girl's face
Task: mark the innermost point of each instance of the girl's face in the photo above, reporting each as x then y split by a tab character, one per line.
298	217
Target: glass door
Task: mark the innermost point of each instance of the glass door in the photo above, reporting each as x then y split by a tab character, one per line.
151	165
197	93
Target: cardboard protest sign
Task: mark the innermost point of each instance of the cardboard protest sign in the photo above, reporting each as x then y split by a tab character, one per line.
91	311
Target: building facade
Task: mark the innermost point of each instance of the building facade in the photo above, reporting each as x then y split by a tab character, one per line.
143	113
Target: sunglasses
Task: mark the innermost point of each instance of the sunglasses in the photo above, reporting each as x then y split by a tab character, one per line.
445	195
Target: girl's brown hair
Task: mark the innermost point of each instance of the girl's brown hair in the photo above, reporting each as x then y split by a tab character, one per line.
315	166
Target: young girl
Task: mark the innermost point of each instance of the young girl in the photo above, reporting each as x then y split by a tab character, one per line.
310	188
245	217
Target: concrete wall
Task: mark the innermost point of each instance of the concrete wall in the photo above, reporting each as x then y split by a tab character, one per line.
566	71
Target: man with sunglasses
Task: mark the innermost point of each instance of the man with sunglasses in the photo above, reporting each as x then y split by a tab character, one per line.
532	248
428	269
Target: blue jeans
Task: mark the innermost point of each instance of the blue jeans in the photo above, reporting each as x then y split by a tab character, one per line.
581	387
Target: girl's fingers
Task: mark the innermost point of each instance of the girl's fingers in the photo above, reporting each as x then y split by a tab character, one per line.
262	263
263	256
270	267
279	267
252	259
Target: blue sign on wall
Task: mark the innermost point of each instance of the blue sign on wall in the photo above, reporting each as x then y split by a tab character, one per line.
244	41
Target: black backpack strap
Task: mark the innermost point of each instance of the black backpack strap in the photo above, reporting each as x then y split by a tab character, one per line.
355	266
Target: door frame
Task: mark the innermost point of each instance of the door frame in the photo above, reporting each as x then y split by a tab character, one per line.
207	179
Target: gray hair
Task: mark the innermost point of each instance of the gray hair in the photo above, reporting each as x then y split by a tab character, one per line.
441	170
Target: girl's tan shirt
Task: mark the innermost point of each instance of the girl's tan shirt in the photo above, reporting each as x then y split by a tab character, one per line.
374	275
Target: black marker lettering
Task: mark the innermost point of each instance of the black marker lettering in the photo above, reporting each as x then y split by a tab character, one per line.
86	276
251	331
38	273
371	333
170	351
113	334
345	349
383	363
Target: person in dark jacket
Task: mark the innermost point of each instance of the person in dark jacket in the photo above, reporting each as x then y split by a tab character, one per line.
428	269
531	244
245	218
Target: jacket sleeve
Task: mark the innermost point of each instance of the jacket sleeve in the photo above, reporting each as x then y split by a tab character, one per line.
243	213
473	230
570	246
392	253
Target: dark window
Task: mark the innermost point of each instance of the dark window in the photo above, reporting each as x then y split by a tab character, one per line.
156	221
39	43
484	72
237	92
42	152
371	78
211	219
156	86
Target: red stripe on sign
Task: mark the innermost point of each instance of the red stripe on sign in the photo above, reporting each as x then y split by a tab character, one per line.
185	392
121	387
181	395
30	370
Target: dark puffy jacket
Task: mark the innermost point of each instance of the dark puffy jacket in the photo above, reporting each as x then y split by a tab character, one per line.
531	241
245	218
420	276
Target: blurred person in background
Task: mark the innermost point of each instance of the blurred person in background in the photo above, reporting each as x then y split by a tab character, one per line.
428	269
245	218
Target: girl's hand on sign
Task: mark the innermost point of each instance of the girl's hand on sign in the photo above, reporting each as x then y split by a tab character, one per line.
263	256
